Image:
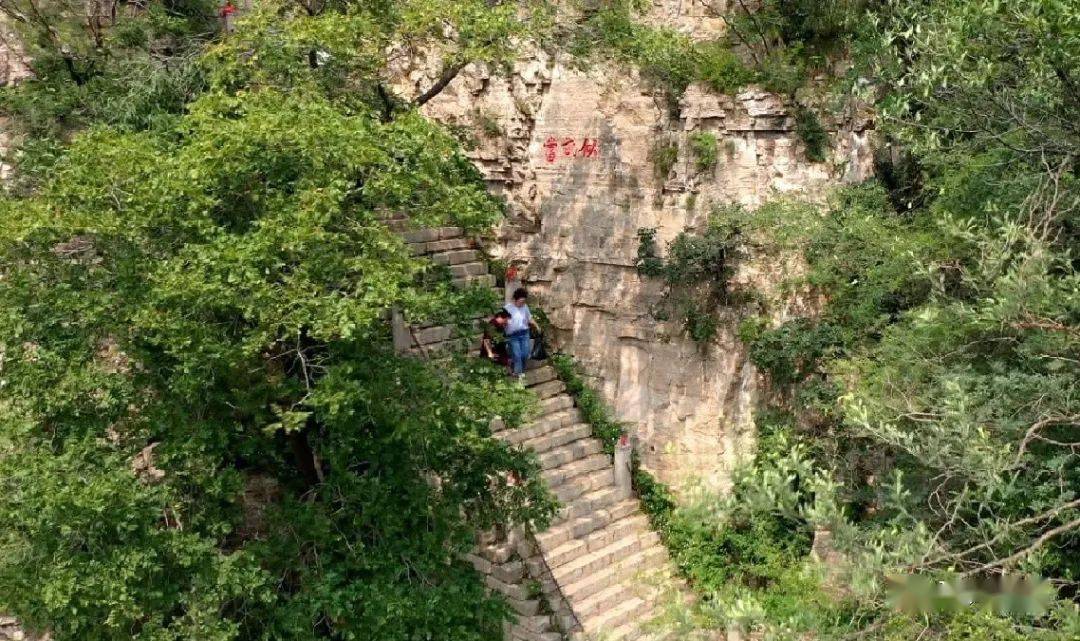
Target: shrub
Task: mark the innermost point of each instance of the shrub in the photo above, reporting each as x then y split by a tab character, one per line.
720	69
703	145
664	155
648	262
697	272
812	133
792	352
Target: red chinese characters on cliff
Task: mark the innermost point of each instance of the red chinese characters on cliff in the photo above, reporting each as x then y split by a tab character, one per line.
569	147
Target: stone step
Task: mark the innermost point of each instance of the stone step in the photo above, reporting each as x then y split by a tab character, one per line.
584	483
649	596
539	375
558	438
437	246
485	280
635	628
549	389
541	426
596	518
640	562
545	424
469	269
519	633
456	257
624	615
588	503
564	553
558	476
570	452
596	561
601	602
554	404
432	234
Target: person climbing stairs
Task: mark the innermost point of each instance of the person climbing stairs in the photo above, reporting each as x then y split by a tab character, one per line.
599	572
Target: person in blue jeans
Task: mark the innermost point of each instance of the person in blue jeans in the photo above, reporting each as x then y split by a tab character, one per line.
517	330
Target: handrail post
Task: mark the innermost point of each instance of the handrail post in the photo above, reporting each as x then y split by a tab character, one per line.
623	476
400	331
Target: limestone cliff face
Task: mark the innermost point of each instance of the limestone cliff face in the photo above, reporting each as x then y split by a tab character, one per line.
14	67
572	152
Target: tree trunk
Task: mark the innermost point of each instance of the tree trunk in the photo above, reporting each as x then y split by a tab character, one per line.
448	74
305	458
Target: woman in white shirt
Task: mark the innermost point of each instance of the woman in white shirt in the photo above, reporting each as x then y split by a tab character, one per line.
517	330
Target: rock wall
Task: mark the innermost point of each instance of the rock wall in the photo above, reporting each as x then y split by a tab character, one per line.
572	151
10	630
13	67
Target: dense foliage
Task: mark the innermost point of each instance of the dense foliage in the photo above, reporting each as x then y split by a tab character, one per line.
204	434
697	271
927	414
84	56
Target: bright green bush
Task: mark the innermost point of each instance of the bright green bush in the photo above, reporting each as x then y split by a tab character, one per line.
697	270
703	146
720	68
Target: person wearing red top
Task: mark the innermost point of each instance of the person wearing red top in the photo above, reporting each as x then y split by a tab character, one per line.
493	342
227	12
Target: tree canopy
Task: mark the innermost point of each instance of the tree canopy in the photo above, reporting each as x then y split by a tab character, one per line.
926	417
205	433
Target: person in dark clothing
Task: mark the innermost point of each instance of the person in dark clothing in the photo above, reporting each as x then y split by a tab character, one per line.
493	345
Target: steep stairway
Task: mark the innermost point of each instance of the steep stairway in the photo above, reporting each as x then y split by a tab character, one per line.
606	570
599	572
460	254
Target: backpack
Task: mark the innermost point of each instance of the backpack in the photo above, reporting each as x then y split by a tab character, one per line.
539	352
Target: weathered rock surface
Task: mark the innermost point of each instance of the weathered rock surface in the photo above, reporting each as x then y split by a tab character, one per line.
10	630
572	151
13	68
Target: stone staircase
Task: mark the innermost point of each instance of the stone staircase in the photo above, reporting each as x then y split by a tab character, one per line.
607	571
599	572
460	254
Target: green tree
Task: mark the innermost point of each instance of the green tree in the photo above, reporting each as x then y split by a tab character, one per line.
84	56
203	431
935	394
